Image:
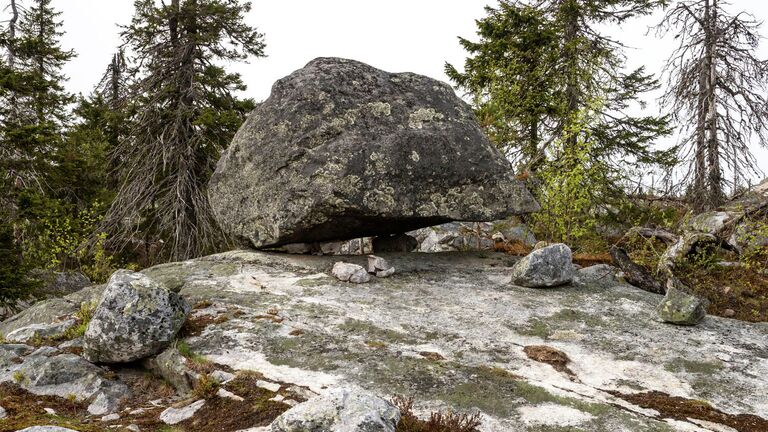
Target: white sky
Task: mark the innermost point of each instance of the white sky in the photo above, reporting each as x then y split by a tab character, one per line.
395	35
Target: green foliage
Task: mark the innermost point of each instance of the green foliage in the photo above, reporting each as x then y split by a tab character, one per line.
537	67
14	282
754	233
575	189
508	77
83	317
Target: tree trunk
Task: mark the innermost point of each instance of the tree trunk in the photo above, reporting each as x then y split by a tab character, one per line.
570	10
635	274
714	175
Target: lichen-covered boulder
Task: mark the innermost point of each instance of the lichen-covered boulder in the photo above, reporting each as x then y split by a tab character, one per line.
343	150
50	372
340	409
136	318
681	307
546	267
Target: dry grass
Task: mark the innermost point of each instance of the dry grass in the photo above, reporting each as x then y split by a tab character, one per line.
682	409
448	421
551	356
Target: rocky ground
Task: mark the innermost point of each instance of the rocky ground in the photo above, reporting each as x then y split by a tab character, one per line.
448	329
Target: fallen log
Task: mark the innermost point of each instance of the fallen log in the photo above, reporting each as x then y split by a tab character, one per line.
665	236
636	274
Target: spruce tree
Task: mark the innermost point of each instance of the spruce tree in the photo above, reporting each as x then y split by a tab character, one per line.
508	78
34	110
186	111
544	67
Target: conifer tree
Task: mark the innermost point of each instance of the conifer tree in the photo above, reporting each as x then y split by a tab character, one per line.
34	109
186	112
540	66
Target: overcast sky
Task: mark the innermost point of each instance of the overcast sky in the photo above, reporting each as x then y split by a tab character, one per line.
394	35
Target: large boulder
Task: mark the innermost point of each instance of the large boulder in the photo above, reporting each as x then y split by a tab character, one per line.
549	266
340	409
136	318
343	150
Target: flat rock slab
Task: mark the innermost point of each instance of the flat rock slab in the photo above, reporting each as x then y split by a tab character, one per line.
451	330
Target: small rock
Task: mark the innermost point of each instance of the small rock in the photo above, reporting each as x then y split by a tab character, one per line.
173	367
3	413
138	411
273	387
172	416
681	307
137	317
379	267
49	411
222	393
222	377
110	417
73	343
347	272
729	313
340	409
547	267
133	428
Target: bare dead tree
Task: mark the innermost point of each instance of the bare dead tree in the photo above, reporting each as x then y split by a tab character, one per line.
717	90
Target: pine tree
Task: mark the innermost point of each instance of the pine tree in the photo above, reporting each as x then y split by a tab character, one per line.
718	89
575	69
186	112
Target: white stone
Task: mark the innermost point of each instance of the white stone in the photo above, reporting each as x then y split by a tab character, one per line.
347	272
3	413
173	416
222	393
110	417
43	331
50	411
273	387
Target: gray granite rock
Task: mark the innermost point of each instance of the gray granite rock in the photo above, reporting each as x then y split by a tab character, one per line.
173	416
174	369
40	331
546	267
340	409
681	307
66	375
343	150
136	318
347	272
